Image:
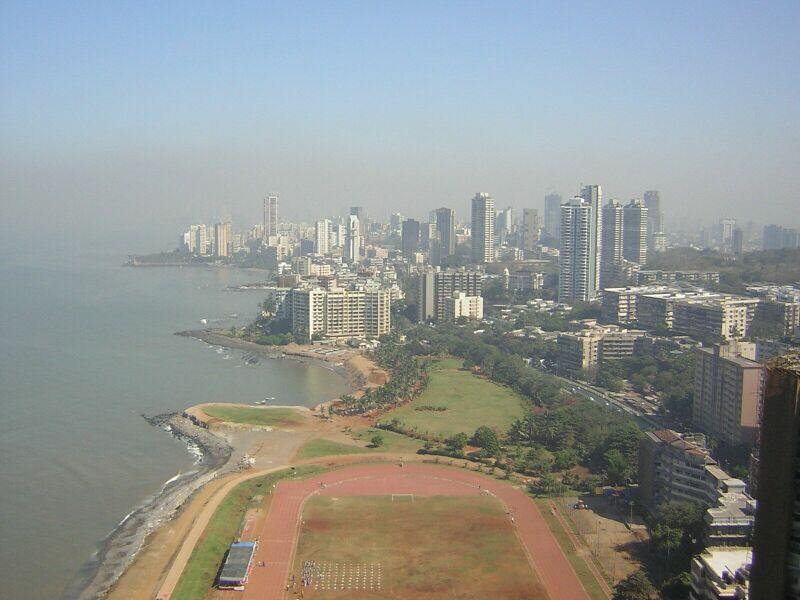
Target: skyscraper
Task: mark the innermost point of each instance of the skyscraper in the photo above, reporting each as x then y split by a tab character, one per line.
446	226
504	223
612	253
776	555
593	194
482	228
358	211
322	237
634	235
737	242
222	239
552	216
352	240
576	262
655	218
410	238
395	221
271	215
530	228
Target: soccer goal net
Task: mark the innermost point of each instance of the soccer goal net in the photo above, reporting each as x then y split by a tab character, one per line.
402	497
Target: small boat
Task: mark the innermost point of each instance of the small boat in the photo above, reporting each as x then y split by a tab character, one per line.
269	399
204	321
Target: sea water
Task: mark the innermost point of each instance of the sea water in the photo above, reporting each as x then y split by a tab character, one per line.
86	346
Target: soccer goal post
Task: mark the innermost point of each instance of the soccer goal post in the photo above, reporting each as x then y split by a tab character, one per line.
403	497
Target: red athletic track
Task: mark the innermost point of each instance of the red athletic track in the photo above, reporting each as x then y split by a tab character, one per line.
278	536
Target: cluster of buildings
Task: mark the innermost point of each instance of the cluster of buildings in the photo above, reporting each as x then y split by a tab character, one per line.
691	310
600	244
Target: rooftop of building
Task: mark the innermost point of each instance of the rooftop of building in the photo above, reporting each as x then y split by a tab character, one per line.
679	442
726	559
789	363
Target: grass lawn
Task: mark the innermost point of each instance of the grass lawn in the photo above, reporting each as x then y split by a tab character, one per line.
201	570
392	442
322	447
280	417
437	547
578	563
470	401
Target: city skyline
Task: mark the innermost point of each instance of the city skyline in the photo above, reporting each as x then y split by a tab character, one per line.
131	129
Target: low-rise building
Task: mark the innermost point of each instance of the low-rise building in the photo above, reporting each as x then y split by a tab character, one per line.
461	305
644	277
725	316
679	467
594	345
721	573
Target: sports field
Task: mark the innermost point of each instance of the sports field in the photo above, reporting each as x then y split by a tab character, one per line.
467	547
412	547
456	401
260	416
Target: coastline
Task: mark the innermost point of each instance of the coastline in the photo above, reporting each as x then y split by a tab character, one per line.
119	550
343	363
121	546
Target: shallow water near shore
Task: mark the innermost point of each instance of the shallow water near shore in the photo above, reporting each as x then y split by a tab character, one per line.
87	346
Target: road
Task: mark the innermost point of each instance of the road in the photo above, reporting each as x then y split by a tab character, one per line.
601	398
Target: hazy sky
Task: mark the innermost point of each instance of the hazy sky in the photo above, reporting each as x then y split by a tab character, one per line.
127	121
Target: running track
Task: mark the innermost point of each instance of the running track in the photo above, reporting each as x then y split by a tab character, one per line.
279	534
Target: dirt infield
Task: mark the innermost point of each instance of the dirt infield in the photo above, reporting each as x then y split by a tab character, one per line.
279	535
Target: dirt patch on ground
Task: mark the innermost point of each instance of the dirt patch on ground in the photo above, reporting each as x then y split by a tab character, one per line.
371	374
602	528
425	548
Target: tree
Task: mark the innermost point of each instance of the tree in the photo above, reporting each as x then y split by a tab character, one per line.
609	381
635	586
456	443
377	440
486	438
618	468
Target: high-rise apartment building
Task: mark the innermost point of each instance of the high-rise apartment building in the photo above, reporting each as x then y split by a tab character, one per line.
655	218
737	242
340	312
530	228
552	216
612	253
593	194
482	228
435	287
576	263
776	541
728	386
410	238
222	240
634	236
271	215
322	237
395	223
726	227
352	240
776	237
202	241
361	214
446	226
503	224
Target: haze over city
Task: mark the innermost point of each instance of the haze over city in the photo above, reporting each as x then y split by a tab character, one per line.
415	300
145	117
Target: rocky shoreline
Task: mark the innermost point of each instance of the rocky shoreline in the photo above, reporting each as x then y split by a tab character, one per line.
121	546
